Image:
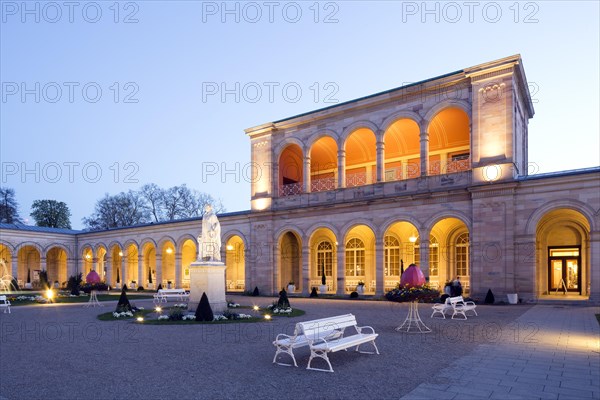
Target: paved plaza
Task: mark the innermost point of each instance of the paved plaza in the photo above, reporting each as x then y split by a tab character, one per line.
507	352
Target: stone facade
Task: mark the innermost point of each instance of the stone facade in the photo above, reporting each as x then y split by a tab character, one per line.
434	173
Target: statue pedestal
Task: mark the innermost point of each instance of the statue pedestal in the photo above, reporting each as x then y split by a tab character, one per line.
208	277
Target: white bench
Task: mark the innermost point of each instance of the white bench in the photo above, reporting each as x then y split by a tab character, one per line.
457	304
4	303
163	295
285	344
328	335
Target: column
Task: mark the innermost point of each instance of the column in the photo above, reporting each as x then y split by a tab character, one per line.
13	268
109	261
140	275
95	264
594	278
159	275
379	266
424	254
424	153
380	161
275	183
341	270
178	270
124	266
305	269
341	168
43	264
443	163
307	174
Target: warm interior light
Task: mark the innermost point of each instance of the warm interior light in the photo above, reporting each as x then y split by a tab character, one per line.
120	254
492	173
169	250
413	238
87	256
229	247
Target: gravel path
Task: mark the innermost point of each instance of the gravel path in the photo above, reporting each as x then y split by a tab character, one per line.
64	352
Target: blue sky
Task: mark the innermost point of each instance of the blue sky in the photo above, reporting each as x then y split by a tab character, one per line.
92	106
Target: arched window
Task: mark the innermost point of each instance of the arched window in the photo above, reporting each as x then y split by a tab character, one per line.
434	256
462	255
392	256
324	259
355	257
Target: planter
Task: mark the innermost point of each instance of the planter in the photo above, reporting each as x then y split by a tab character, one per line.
291	288
513	298
360	289
118	285
323	289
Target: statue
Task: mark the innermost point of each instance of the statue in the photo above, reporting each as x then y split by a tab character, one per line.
209	242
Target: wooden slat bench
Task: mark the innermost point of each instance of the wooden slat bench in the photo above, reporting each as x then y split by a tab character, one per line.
329	335
457	305
163	295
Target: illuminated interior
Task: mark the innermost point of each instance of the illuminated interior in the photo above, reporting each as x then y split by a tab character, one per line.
88	261
117	259
167	264
101	260
397	247
235	260
56	264
361	158
323	255
132	265
189	253
360	258
290	264
323	165
291	167
449	142
450	253
402	150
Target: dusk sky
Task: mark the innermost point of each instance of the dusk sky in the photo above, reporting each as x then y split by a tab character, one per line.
102	97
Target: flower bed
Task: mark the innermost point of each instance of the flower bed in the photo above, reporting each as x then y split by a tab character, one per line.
405	294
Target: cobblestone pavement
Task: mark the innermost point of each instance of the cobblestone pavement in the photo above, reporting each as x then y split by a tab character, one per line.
552	352
64	352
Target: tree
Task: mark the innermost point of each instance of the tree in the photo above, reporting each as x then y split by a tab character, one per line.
154	197
9	208
123	209
51	213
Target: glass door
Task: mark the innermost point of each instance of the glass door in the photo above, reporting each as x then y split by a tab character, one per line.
564	273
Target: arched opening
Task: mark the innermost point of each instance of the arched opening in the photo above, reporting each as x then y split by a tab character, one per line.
116	265
189	254
148	266
6	264
449	142
450	253
29	265
235	261
88	261
399	252
402	150
562	242
360	259
56	263
361	158
291	167
290	261
168	264
323	251
323	165
102	262
131	266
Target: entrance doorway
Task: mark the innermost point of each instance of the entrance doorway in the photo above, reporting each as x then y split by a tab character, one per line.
564	271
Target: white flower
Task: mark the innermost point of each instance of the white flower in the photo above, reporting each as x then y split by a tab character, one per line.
189	317
162	317
219	317
244	316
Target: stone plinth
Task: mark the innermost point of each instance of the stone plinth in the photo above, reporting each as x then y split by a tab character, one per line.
208	277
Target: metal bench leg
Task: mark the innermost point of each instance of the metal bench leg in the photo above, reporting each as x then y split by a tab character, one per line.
319	354
284	350
368	352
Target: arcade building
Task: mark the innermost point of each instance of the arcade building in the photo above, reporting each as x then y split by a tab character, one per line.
434	173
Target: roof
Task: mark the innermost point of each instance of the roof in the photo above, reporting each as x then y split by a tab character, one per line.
33	228
23	227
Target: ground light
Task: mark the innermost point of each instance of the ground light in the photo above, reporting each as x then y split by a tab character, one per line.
50	295
267	317
256	308
140	319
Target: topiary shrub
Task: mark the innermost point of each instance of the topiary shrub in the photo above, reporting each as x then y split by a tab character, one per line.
74	284
176	314
443	298
125	287
123	304
159	287
14	285
354	295
489	297
204	311
140	289
313	292
255	293
283	301
44	284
